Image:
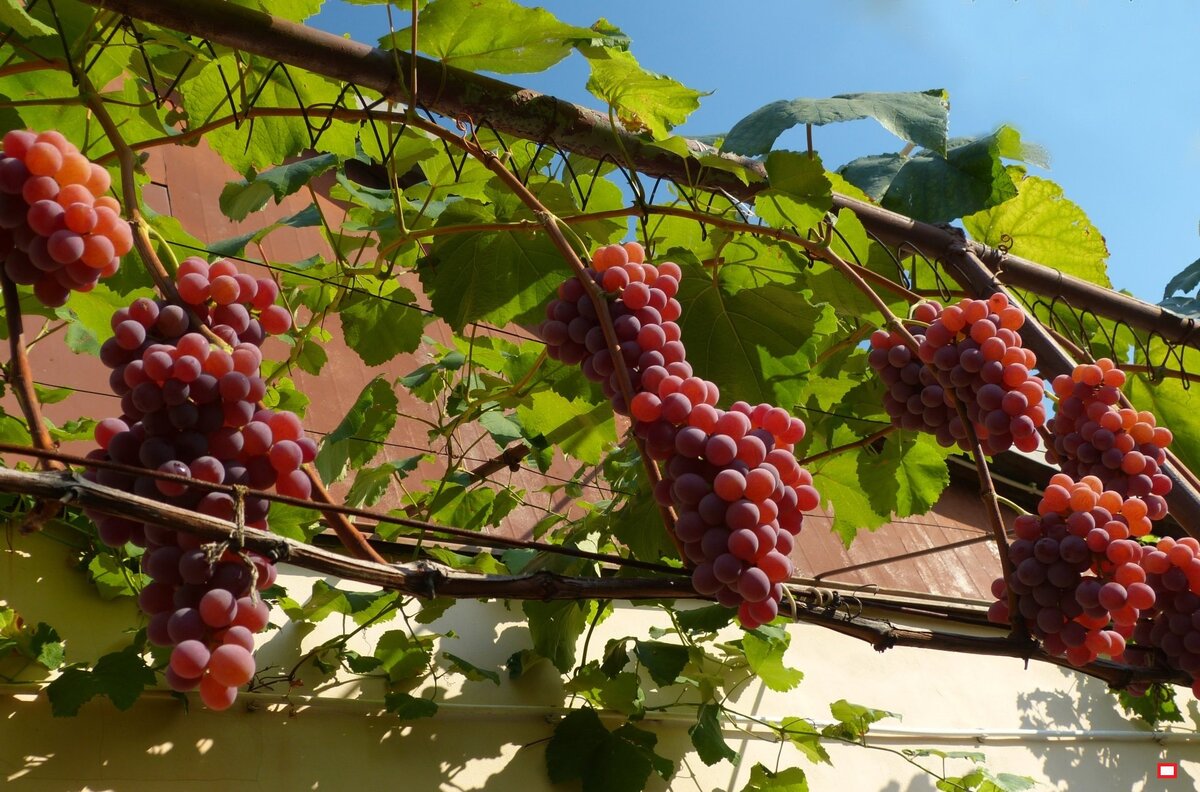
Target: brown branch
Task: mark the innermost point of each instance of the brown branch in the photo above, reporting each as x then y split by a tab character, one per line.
427	579
20	377
340	510
347	534
859	443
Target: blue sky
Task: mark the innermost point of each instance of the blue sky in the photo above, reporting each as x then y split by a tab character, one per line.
1110	88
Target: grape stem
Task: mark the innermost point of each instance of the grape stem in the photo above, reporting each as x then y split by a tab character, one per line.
20	376
859	443
991	504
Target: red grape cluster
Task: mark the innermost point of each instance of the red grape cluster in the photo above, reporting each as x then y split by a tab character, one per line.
643	315
1094	436
1173	571
973	354
190	409
58	230
1078	571
237	306
731	475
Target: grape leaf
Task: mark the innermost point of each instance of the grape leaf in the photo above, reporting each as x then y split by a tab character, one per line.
121	676
805	737
799	195
409	707
355	441
907	476
707	738
267	141
1185	280
554	628
470	670
13	15
490	35
749	343
618	761
791	779
664	661
764	648
642	100
240	198
380	326
294	522
709	618
854	720
1040	224
112	579
493	277
919	117
841	490
580	429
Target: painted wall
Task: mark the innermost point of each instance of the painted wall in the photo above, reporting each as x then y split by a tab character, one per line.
489	737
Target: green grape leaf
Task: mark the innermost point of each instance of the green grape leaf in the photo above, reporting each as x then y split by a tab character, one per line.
89	313
14	15
404	657
799	195
750	343
806	739
935	188
120	676
378	327
907	476
294	522
503	429
555	627
618	761
284	395
664	661
493	277
1157	705
709	618
918	117
642	100
1040	224
762	779
408	707
490	35
240	198
113	579
327	600
355	441
764	648
269	140
854	720
1184	281
707	738
307	217
370	483
470	670
841	489
580	429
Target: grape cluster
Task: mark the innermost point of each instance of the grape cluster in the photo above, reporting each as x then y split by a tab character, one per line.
643	316
970	352
237	306
1078	570
1173	571
731	475
1094	436
190	409
58	230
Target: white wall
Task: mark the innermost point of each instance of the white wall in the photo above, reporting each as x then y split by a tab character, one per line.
491	737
